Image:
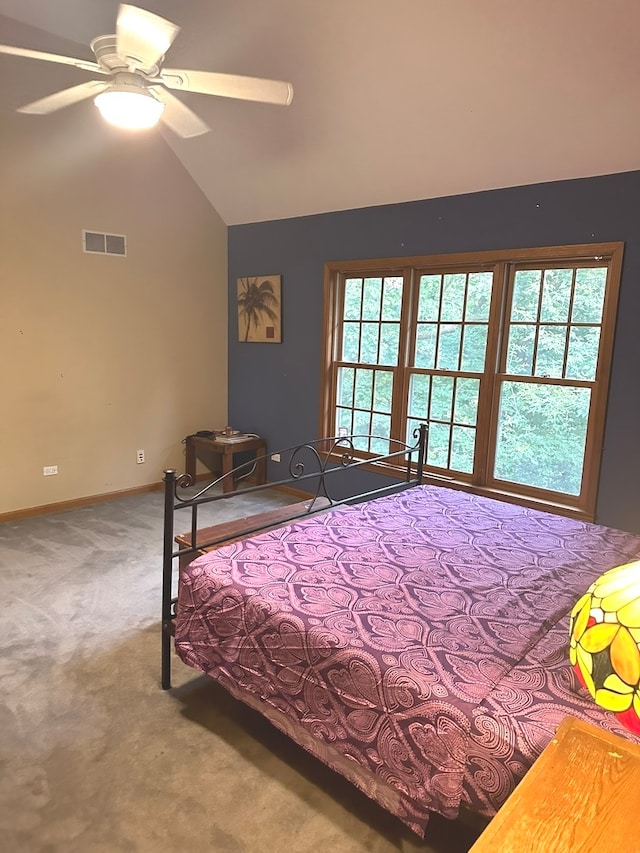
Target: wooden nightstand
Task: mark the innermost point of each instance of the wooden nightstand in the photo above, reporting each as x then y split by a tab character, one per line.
581	796
224	451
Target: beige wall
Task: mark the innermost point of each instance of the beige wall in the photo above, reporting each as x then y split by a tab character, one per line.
102	356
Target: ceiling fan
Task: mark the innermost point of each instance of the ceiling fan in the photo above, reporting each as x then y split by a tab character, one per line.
136	93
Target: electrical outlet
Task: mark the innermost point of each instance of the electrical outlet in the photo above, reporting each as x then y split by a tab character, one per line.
49	470
140	457
275	457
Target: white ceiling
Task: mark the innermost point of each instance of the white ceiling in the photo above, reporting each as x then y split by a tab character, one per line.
394	100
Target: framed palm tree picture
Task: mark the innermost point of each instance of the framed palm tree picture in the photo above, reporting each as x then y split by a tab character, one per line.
259	309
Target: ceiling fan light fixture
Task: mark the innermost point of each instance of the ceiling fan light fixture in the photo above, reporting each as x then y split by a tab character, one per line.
129	107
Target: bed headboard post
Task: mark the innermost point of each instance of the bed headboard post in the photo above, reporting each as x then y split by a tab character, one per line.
422	449
167	575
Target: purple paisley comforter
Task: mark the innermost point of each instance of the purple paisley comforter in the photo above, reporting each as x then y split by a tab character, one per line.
416	643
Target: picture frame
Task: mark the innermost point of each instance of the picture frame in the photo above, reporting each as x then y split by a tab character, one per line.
260	309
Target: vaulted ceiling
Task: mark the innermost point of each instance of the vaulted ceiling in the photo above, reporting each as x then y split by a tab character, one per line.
394	101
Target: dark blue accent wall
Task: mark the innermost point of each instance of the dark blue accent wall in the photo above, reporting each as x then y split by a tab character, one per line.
274	388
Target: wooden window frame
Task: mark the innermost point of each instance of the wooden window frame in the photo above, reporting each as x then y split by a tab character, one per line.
503	265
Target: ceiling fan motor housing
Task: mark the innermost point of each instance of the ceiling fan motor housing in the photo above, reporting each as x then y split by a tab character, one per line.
107	57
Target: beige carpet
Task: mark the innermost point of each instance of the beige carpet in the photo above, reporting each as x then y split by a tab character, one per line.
96	758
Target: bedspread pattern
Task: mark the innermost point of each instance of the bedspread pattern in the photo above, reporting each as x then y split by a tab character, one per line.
388	631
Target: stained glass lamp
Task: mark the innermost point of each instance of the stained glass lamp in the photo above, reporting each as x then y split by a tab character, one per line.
605	642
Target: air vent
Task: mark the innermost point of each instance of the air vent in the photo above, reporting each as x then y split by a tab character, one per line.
104	244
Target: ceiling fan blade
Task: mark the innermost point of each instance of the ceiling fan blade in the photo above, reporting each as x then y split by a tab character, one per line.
178	116
64	98
83	64
143	36
228	85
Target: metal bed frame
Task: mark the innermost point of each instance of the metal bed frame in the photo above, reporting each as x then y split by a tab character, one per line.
312	463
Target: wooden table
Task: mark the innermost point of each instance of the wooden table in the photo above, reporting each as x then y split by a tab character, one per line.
581	796
225	451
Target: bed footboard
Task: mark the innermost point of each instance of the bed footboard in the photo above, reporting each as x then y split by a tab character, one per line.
316	464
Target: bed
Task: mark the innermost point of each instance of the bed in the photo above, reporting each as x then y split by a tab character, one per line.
415	641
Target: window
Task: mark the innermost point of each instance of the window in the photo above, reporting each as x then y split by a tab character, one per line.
505	355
